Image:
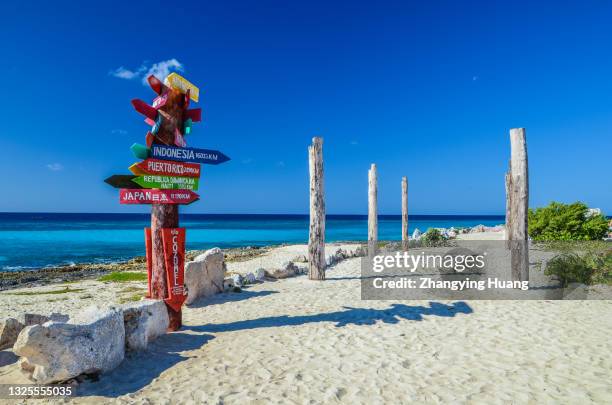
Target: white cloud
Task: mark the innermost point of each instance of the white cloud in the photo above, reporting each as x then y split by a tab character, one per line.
55	167
162	69
354	143
159	69
474	78
247	161
280	164
119	132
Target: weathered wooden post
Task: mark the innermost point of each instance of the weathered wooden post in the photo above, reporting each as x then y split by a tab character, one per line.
517	200
404	212
316	237
372	210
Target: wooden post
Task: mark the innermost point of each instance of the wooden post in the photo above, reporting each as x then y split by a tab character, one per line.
517	200
316	237
372	210
165	215
405	212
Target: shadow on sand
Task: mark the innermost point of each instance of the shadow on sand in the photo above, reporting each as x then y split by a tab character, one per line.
229	297
353	316
165	352
140	369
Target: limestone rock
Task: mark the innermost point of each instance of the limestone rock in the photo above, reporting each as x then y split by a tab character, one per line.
288	269
300	259
260	274
92	342
478	229
204	275
144	321
9	330
238	280
250	278
228	284
416	234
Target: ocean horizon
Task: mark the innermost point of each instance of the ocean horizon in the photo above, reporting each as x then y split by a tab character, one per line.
35	240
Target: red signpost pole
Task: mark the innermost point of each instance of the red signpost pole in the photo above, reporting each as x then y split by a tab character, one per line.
162	216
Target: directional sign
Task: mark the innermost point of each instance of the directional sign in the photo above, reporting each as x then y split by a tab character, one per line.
140	196
122	181
187	126
160	101
166	167
144	108
178	82
194	155
194	114
140	151
156	85
167	182
174	254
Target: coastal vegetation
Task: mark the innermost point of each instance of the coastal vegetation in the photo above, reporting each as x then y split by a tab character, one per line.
588	268
123	277
52	292
559	221
433	237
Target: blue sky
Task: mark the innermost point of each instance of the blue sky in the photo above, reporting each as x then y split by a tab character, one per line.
428	90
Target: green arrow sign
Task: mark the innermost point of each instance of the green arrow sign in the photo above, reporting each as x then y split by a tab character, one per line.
167	182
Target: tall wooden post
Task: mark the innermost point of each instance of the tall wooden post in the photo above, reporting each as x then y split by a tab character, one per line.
404	212
517	200
165	215
316	237
372	209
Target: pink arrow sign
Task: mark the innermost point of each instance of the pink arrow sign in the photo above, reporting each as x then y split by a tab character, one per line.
144	196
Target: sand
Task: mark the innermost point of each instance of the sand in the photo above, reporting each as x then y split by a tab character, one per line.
301	341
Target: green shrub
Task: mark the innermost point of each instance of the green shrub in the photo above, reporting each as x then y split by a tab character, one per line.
433	237
566	222
589	268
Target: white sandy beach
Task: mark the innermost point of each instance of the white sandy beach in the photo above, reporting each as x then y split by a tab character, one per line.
302	341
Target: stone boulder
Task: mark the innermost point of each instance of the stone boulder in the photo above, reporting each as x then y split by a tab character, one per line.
238	280
11	327
288	269
228	284
416	234
300	259
9	331
260	274
478	229
250	278
144	321
92	342
204	275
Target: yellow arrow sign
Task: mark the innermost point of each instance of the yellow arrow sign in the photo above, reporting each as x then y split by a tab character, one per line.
178	82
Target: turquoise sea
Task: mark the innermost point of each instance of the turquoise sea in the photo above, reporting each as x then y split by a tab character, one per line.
36	240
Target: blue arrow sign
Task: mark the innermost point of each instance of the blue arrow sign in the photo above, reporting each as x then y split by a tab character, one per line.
207	156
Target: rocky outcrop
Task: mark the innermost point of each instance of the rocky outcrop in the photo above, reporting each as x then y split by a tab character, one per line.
91	342
144	321
204	275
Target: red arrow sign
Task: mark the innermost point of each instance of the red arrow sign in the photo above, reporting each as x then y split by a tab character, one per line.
143	196
195	114
174	254
144	108
166	168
